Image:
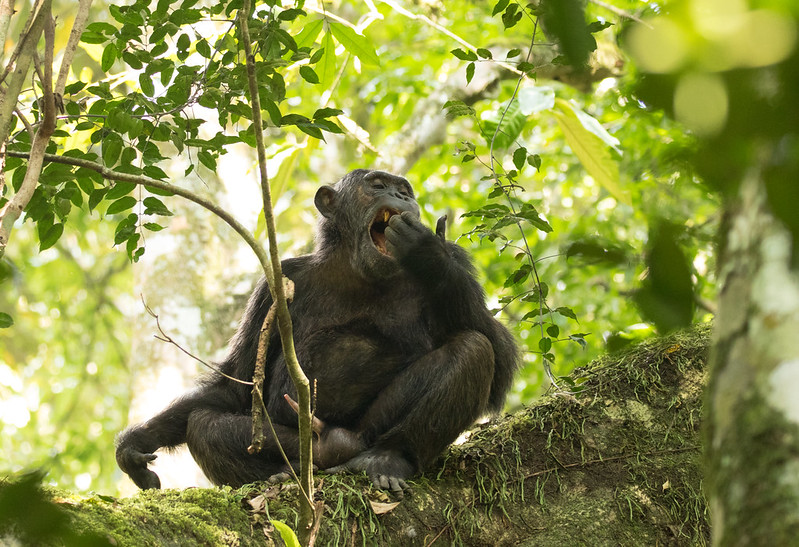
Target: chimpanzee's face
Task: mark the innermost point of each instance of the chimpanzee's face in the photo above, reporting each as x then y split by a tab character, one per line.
360	205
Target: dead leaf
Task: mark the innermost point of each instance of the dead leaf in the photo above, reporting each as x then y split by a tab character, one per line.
382	508
258	503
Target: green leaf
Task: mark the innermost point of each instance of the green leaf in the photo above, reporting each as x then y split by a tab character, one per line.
519	275
146	83
154	206
464	55
469	72
132	60
207	159
327	65
565	20
51	236
519	157
358	45
120	189
535	99
499	6
456	109
309	75
566	312
5	320
666	296
326	113
312	130
122	204
112	148
109	56
592	152
96	197
512	125
553	331
153	227
545	344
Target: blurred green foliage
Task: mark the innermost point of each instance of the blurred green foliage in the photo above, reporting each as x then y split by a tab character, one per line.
589	173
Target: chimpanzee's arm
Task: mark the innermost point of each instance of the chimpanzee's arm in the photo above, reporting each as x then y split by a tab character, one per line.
137	444
444	270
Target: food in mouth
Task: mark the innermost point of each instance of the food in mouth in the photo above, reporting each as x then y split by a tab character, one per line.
378	229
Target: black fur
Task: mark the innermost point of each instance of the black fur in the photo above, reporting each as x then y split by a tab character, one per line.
404	353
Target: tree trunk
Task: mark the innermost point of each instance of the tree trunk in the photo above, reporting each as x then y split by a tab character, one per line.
618	463
752	434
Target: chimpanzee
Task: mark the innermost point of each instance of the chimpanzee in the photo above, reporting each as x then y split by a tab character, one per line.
390	325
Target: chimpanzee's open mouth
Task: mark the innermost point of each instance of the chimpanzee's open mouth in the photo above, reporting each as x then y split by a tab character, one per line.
378	229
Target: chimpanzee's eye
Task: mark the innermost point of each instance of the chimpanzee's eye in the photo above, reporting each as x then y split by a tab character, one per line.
378	186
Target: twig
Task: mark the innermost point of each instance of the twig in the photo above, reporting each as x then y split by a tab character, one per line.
78	26
444	529
610	459
166	338
620	12
25	38
258	406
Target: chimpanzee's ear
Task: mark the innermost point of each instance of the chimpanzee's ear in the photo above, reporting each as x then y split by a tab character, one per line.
325	200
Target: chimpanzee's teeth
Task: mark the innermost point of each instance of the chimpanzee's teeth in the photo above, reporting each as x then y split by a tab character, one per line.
386	216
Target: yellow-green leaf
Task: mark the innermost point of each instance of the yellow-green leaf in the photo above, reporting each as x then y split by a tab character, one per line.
309	33
592	152
327	65
355	43
286	533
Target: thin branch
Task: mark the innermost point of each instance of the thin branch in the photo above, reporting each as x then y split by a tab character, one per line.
611	459
506	191
620	12
258	407
78	26
298	377
168	339
26	123
143	180
443	30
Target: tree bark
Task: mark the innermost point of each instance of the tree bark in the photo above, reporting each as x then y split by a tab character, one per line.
618	463
752	434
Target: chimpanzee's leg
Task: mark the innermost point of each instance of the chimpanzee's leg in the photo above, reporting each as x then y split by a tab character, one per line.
426	407
218	441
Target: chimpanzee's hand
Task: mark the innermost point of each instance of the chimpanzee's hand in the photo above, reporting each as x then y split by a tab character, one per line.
134	463
415	246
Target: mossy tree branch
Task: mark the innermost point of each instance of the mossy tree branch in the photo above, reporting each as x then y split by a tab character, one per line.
617	463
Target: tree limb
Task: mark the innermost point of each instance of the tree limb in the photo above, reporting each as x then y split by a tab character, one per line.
16	71
6	11
13	209
144	180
